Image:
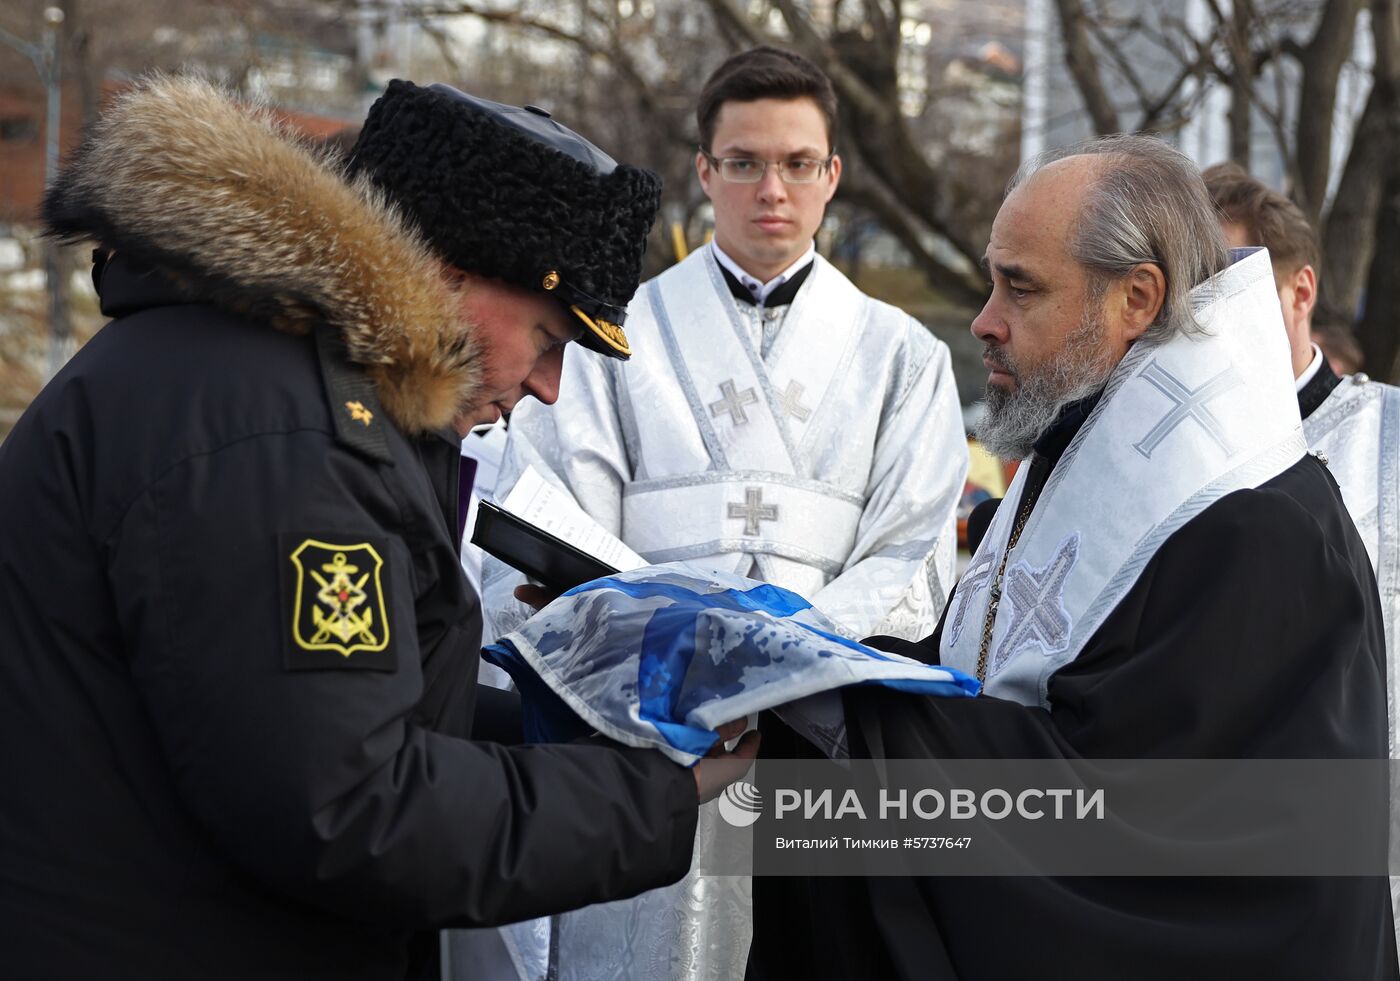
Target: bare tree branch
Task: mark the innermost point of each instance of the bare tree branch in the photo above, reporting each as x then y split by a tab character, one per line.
1376	330
1154	105
443	43
1154	112
731	18
1278	127
897	220
1348	235
1379	329
886	27
1235	33
848	84
1120	61
613	53
1080	59
1322	59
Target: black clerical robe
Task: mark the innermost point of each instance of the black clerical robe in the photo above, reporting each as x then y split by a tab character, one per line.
1269	595
1315	392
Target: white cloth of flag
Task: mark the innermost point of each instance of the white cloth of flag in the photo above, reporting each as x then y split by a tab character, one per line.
659	657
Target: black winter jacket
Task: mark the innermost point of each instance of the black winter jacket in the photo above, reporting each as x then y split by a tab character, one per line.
237	651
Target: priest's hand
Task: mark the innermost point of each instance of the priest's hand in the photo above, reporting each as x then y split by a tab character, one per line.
535	596
721	767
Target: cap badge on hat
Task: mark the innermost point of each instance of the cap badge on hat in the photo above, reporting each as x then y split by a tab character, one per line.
604	330
610	333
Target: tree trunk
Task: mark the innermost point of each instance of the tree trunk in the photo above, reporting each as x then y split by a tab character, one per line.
1242	77
1321	59
1241	116
78	39
1348	235
1083	67
1379	327
895	219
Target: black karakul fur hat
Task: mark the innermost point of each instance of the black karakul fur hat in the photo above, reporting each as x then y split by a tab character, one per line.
510	194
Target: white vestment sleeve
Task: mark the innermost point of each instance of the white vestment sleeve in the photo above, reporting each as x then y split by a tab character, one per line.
900	571
575	444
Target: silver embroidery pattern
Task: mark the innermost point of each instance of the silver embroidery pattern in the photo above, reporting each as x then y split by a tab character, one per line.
919	605
755	547
791	401
968	588
733	401
1388	519
753	510
1334	412
627	419
938	595
673	353
907	551
755	358
1037	608
1188	403
730	476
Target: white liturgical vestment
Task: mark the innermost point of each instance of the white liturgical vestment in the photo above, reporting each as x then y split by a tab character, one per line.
820	448
1181	424
830	463
1357	430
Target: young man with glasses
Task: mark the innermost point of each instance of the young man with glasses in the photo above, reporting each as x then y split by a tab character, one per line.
776	422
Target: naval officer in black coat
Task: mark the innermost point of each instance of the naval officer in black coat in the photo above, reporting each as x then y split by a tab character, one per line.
238	654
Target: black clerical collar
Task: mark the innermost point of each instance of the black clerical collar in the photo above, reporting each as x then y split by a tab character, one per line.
1055	440
781	296
1315	392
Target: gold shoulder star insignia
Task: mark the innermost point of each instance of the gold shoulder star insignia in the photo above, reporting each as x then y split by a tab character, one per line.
359	413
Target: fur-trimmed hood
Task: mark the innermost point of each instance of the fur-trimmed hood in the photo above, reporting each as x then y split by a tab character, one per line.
178	175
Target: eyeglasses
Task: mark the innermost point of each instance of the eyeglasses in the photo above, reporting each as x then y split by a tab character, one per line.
748	170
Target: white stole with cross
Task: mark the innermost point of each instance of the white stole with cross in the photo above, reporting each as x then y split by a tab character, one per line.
1181	424
737	486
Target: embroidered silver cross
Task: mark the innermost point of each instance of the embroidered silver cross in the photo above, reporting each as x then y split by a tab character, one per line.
1188	403
753	510
733	402
1037	603
977	573
791	401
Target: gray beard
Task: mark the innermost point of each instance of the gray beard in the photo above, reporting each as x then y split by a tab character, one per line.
1013	421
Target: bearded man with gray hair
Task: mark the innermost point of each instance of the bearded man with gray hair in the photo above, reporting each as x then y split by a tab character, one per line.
1172	577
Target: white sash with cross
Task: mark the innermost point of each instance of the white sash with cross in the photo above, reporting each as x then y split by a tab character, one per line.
1181	424
743	469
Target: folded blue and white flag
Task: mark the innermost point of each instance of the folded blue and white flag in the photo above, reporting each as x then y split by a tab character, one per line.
660	656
